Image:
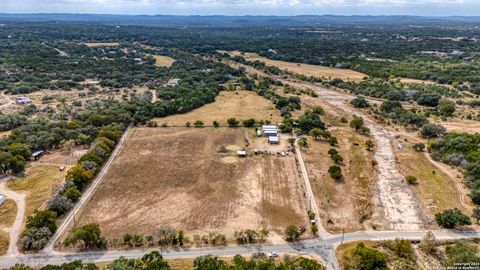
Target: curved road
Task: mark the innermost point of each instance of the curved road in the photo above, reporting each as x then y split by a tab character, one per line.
15	230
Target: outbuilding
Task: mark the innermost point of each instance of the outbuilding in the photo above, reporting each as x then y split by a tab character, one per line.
242	153
273	140
37	154
2	200
270	133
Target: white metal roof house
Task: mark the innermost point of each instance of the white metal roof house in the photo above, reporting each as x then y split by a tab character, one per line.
270	133
242	153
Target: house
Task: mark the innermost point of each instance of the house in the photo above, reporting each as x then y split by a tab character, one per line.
242	153
23	100
2	200
173	82
273	140
37	154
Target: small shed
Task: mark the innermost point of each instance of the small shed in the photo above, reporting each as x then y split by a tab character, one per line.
242	153
2	200
23	100
273	140
37	154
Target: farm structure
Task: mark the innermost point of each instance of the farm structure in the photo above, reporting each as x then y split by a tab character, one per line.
195	180
23	100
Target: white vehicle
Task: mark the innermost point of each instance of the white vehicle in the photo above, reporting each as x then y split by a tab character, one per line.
273	254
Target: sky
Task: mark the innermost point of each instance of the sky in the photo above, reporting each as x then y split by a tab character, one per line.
247	7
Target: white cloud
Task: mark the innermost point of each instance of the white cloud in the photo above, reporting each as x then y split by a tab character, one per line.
241	7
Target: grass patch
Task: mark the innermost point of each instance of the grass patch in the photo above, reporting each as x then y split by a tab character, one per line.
163	61
8	212
38	184
239	104
4	241
436	192
279	215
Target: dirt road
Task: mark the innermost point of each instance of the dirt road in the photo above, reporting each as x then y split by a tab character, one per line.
15	230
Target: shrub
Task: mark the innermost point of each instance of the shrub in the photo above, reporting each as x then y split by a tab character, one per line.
198	123
411	179
430	131
232	122
216	123
335	172
248	122
452	218
360	102
292	233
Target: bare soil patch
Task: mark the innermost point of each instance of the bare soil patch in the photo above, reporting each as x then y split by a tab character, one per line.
238	104
8	212
189	180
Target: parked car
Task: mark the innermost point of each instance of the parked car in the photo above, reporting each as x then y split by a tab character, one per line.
273	254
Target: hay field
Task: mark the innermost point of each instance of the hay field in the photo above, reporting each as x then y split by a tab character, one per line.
191	179
309	70
163	61
8	212
38	184
101	44
239	104
4	241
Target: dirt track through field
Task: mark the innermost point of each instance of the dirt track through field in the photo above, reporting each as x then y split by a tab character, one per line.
398	201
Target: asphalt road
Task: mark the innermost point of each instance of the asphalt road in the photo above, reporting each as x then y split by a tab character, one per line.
322	248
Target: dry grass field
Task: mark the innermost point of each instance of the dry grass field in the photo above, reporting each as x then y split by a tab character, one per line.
309	70
434	189
8	212
38	184
101	44
345	205
163	61
191	179
239	104
4	241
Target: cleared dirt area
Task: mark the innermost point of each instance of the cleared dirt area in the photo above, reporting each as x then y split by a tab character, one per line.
461	126
38	184
163	61
4	241
309	70
191	179
101	44
8	211
238	104
347	204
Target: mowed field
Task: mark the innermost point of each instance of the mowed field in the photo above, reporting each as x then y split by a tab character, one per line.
163	61
238	104
191	179
309	70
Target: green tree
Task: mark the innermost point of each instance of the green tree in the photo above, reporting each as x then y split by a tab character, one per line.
357	123
79	176
40	219
20	149
335	172
360	102
452	218
209	262
476	214
309	121
232	122
292	233
364	258
198	123
430	131
216	123
90	235
446	108
249	122
411	179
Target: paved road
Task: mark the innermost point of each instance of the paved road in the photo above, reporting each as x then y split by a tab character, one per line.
321	248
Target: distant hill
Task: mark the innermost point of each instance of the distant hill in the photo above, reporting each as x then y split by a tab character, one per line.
234	21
